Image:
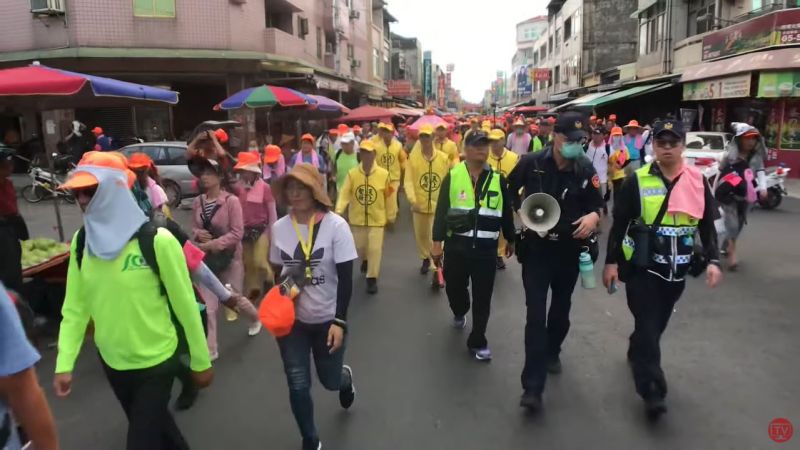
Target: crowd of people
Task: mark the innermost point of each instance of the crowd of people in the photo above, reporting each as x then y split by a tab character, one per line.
265	216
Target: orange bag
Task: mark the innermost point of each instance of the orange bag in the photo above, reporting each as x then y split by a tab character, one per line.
276	311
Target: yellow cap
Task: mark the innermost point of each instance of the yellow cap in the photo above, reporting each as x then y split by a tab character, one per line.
486	124
386	126
426	129
367	145
497	135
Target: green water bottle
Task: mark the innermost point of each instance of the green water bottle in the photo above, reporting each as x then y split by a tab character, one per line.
586	268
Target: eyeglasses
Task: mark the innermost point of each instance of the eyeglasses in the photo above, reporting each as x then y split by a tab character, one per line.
668	143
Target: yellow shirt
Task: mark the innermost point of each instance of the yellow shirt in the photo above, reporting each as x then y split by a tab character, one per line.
505	163
364	196
424	179
449	148
615	163
391	157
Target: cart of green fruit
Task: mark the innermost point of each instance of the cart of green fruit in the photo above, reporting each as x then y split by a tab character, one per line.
46	259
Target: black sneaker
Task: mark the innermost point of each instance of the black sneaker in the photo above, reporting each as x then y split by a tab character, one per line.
501	263
554	365
312	445
187	397
531	400
347	393
654	407
364	266
426	267
372	285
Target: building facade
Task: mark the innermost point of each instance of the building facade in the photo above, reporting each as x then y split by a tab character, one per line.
406	76
521	85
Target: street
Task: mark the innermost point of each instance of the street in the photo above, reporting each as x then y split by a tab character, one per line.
730	355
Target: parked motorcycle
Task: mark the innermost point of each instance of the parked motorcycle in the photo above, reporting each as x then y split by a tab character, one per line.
776	186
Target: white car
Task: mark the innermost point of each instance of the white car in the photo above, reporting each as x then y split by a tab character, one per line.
707	146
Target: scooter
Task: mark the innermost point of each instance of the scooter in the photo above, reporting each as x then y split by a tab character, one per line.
776	186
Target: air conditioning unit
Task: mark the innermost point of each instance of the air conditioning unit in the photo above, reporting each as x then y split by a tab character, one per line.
48	7
355	15
329	48
355	64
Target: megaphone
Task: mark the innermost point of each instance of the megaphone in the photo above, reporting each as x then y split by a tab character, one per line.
540	213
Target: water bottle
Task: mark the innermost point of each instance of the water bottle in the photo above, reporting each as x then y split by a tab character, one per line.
587	270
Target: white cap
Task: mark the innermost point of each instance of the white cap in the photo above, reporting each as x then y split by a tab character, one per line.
348	138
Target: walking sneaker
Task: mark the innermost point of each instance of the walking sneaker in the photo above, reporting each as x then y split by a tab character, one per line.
481	354
312	445
426	266
459	323
372	285
255	328
501	264
531	400
554	365
364	266
347	393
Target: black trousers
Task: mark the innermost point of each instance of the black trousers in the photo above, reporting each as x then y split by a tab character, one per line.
651	300
144	396
548	265
460	269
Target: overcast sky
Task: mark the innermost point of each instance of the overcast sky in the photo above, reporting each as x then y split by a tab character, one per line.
478	36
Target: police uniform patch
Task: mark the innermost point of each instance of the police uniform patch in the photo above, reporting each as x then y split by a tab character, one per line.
596	181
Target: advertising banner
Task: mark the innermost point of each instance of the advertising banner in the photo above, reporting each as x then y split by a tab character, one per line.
427	75
779	84
715	88
399	88
777	28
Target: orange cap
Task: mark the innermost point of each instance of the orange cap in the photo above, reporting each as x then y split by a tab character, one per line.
342	128
616	131
111	160
97	130
272	153
248	161
307	137
139	161
222	135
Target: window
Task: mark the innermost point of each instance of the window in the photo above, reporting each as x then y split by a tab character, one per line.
302	27
543	53
376	63
319	42
651	28
350	51
550	45
557	75
177	156
701	17
576	23
154	8
568	28
557	39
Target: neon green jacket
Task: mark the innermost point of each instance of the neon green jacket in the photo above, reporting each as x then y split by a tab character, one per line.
133	328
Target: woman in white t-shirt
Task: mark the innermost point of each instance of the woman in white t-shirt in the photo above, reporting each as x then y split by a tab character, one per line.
315	247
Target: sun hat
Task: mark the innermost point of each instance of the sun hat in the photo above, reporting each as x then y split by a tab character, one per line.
272	153
342	128
497	135
616	131
367	145
97	130
633	124
249	161
139	160
385	126
222	135
426	129
307	137
80	179
309	176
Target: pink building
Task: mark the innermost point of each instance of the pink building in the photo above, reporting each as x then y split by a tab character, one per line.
205	49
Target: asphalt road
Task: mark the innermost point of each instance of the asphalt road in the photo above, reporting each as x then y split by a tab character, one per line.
730	355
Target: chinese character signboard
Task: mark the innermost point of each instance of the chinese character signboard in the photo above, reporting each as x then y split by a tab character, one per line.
715	88
779	84
427	76
540	74
399	88
777	28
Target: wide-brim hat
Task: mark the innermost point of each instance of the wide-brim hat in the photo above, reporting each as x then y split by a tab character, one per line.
310	177
199	164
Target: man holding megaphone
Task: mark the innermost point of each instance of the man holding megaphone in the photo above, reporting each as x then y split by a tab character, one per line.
561	211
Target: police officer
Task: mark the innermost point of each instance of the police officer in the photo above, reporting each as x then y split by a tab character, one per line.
551	262
473	208
654	267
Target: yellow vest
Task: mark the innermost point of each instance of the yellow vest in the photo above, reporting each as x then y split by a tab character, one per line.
449	148
364	196
390	158
424	179
505	164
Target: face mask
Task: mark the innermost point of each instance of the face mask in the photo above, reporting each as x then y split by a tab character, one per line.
571	150
616	141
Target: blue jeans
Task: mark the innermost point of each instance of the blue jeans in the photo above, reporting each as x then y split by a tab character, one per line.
295	348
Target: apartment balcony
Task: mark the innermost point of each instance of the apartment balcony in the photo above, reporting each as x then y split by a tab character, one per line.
765	9
280	42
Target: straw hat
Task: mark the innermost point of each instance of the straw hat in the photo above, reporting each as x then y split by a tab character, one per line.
248	161
310	177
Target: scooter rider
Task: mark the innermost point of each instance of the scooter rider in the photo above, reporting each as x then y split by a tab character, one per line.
661	207
551	262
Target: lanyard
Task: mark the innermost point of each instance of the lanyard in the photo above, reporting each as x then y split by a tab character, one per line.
306	245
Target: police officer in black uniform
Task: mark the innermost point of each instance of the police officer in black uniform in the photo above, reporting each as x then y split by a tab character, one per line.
551	262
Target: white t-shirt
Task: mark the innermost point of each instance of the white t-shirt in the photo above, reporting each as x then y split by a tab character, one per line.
333	245
599	158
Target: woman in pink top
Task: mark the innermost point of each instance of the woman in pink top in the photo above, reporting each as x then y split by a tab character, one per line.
258	212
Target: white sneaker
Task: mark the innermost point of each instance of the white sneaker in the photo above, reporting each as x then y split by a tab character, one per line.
255	328
213	356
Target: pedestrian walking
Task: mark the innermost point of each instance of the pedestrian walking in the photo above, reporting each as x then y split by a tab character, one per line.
473	208
618	160
598	152
635	143
537	142
274	164
147	190
426	169
550	262
134	335
13	228
258	215
366	195
444	144
309	155
502	161
741	181
317	244
345	160
651	247
519	142
218	229
102	142
391	157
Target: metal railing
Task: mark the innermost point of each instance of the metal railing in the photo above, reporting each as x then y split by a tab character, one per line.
765	9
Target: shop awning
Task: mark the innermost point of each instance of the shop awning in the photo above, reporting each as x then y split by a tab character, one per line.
557	98
581	101
280	66
781	59
626	93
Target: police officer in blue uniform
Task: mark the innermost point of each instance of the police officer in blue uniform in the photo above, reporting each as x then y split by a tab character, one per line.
550	263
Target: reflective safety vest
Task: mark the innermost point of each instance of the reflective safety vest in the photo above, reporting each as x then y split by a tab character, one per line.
674	244
489	210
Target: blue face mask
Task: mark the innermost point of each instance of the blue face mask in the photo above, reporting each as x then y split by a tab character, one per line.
572	150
